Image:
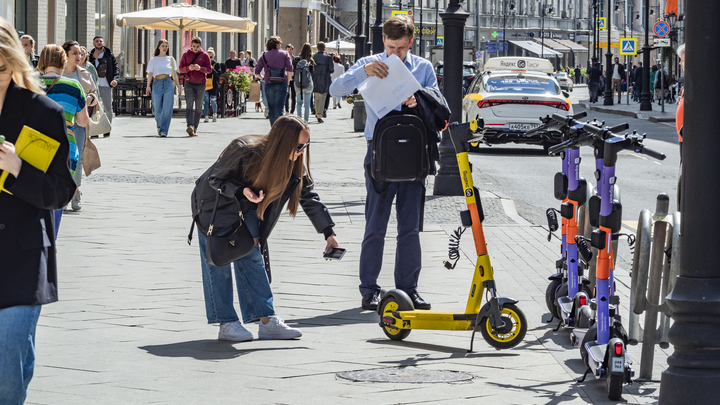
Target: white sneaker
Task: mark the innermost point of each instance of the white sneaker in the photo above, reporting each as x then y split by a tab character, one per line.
235	332
214	117
276	329
76	203
206	119
266	112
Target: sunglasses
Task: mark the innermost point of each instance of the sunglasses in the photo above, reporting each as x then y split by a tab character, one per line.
302	147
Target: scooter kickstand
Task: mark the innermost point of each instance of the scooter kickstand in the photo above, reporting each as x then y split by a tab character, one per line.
472	340
582	379
559	325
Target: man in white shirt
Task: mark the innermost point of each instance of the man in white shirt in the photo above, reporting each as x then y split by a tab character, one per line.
617	79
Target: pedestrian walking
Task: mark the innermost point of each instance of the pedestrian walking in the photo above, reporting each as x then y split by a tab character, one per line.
161	84
249	61
321	80
578	74
212	85
28	44
195	63
337	72
638	81
303	84
274	171
593	76
108	74
277	67
74	70
70	96
346	64
290	98
617	79
398	33
28	275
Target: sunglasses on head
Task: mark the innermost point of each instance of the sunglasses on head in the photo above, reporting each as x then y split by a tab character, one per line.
301	147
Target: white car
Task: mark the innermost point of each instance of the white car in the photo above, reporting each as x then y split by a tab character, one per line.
511	95
564	81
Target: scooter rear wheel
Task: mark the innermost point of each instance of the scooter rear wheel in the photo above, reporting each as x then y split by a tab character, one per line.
551	297
614	383
511	334
392	303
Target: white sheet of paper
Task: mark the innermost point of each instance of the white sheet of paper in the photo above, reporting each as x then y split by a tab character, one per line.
383	95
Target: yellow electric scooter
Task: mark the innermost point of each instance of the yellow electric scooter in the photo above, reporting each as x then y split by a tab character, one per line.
500	321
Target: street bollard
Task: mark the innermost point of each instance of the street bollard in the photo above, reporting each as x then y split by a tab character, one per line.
655	267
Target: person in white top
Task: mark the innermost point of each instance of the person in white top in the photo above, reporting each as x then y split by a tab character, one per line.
617	79
339	70
162	79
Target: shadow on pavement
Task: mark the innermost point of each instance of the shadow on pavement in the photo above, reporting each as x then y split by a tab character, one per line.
506	151
344	317
456	352
553	395
205	349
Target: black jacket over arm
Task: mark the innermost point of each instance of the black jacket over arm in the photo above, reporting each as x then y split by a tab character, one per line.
28	272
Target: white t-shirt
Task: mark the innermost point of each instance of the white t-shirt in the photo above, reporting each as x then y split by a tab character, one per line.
161	65
616	72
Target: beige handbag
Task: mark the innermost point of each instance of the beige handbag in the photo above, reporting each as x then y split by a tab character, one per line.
99	123
91	157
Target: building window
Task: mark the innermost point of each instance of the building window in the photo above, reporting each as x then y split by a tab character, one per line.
71	20
21	15
102	17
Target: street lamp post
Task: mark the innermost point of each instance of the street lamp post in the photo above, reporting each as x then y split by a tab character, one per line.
377	43
608	59
437	12
447	181
694	367
359	37
645	96
368	44
542	31
422	54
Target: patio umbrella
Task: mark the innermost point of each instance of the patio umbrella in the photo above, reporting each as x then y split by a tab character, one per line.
185	17
344	46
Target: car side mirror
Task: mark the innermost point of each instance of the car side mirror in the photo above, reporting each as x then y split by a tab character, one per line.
565	94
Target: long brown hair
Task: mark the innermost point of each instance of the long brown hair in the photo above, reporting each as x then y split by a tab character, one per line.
52	55
157	48
306	53
268	166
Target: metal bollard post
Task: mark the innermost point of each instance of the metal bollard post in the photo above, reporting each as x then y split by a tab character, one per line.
653	277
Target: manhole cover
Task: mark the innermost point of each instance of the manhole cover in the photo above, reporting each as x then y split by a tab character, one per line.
405	375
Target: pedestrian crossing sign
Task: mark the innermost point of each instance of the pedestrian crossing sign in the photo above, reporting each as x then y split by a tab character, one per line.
440	41
601	23
628	46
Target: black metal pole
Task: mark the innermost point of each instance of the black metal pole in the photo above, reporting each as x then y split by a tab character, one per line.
542	31
447	181
694	367
359	37
504	26
377	43
437	13
422	54
595	17
645	96
608	58
368	43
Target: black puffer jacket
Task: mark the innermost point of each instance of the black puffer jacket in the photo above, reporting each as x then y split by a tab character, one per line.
113	71
310	201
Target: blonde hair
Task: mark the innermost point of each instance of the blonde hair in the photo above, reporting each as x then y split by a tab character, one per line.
52	56
11	51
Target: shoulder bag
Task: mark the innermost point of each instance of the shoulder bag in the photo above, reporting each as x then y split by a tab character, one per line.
277	75
99	123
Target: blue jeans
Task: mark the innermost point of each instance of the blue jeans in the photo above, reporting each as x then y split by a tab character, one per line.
253	286
276	94
57	217
80	139
17	351
210	99
264	95
307	96
163	97
408	255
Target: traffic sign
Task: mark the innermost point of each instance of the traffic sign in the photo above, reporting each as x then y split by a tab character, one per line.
496	34
628	46
661	42
440	41
601	23
478	54
396	12
661	29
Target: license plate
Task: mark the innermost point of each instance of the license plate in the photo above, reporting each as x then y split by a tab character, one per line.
618	365
523	127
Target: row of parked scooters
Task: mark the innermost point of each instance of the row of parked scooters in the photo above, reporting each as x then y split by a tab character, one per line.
588	306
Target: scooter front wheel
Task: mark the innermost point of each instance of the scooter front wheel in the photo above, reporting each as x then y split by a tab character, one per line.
551	294
390	303
509	335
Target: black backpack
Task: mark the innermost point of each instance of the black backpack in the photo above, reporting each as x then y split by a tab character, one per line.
399	148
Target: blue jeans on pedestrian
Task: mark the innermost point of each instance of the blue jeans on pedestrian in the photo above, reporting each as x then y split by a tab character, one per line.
276	94
80	140
253	286
17	351
408	255
194	93
163	97
306	96
264	95
209	99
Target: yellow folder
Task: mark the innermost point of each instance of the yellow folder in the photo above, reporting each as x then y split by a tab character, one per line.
35	148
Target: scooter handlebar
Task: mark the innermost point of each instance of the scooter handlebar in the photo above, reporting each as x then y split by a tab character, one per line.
652	153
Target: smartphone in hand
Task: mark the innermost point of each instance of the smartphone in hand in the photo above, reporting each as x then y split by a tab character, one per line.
335	253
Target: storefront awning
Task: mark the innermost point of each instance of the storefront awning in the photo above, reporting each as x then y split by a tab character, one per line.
537	49
554	45
344	31
572	45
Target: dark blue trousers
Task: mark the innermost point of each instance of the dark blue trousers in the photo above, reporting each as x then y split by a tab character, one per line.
408	255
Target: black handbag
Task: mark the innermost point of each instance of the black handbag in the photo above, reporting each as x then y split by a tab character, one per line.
224	246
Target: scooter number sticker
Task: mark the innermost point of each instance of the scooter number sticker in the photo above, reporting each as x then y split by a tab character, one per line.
617	365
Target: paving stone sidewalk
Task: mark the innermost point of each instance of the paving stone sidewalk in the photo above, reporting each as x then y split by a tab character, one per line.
633	110
130	326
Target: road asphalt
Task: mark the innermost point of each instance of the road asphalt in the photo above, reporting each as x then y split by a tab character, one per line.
130	326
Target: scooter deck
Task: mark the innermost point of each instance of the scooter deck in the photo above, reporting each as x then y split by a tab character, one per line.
436	320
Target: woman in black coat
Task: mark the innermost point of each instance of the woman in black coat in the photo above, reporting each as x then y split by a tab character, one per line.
269	172
28	274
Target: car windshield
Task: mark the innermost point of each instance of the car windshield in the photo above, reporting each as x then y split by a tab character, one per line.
525	85
467	71
561	75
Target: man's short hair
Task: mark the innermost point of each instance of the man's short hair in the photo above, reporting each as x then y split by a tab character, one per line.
196	40
321	46
398	27
273	42
289	46
98	36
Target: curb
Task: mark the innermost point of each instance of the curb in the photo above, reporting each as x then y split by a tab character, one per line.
640	115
